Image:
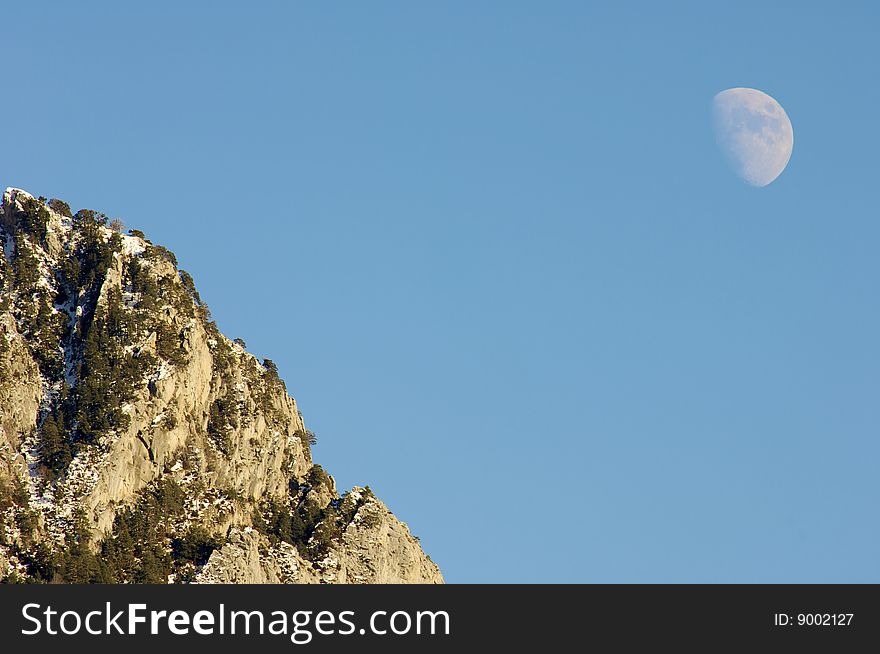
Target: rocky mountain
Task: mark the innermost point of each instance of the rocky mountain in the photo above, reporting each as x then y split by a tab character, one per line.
139	444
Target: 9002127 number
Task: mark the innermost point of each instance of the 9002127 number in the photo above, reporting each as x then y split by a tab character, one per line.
824	619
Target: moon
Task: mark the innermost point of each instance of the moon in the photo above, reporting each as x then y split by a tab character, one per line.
754	133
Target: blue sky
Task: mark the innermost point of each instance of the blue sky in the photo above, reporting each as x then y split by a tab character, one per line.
500	263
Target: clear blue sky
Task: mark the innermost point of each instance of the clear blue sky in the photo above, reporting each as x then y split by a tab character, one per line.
501	265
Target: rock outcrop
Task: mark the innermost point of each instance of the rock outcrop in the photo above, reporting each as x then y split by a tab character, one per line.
137	443
374	548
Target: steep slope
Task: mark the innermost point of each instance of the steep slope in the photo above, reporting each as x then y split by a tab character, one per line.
139	444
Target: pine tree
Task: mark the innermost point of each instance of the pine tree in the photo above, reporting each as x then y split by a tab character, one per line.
56	451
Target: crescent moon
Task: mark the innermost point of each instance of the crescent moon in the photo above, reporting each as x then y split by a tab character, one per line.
754	133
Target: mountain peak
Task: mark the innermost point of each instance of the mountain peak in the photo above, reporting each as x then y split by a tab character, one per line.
138	443
11	192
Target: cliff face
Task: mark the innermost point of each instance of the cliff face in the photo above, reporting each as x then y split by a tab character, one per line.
137	443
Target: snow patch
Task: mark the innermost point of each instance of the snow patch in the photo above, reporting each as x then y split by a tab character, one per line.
8	247
11	194
133	246
164	371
